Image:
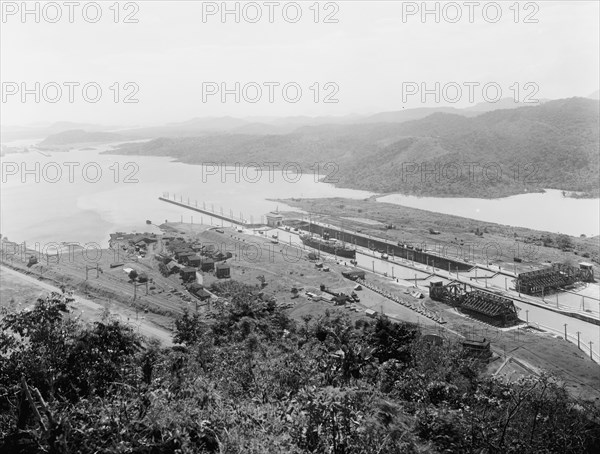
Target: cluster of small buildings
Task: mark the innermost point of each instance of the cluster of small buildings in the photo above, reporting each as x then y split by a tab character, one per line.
137	243
189	258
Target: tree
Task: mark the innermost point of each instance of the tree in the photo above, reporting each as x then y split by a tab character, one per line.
262	280
392	340
564	242
163	269
101	356
189	329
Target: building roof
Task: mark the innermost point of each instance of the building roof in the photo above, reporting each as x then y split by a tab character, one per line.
185	253
202	293
222	266
188	269
476	342
274	215
147	240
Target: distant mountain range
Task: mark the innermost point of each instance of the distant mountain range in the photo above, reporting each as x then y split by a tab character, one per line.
252	125
498	153
481	151
10	133
80	136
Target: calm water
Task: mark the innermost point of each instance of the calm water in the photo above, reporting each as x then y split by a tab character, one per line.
115	193
77	208
548	211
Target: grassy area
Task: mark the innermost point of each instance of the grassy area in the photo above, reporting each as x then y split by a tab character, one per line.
15	292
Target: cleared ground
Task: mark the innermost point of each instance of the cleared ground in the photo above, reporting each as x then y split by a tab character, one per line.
283	267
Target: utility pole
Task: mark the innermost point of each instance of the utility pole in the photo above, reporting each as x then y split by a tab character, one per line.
88	268
527	316
566	331
578	344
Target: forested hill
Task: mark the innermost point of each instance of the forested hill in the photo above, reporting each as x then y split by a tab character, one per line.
554	145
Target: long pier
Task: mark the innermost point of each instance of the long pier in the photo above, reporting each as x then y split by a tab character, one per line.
223	217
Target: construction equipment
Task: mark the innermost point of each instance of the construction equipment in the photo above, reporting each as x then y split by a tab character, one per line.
489	307
553	278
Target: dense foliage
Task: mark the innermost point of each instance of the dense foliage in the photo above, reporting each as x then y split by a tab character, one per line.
248	379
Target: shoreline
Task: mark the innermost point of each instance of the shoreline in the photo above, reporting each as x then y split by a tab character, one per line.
117	146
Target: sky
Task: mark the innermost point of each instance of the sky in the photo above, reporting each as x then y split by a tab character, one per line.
348	57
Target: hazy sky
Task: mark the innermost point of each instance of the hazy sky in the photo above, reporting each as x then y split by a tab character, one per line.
369	56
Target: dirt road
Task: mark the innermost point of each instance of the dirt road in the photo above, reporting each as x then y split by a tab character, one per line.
93	309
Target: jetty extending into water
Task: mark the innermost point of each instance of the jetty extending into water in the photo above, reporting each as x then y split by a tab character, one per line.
231	219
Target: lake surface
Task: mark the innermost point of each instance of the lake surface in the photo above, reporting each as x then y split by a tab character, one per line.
548	211
81	196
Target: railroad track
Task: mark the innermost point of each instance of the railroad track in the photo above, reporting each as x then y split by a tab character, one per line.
420	309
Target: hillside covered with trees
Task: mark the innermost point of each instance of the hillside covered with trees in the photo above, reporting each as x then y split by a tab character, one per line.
554	145
249	379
